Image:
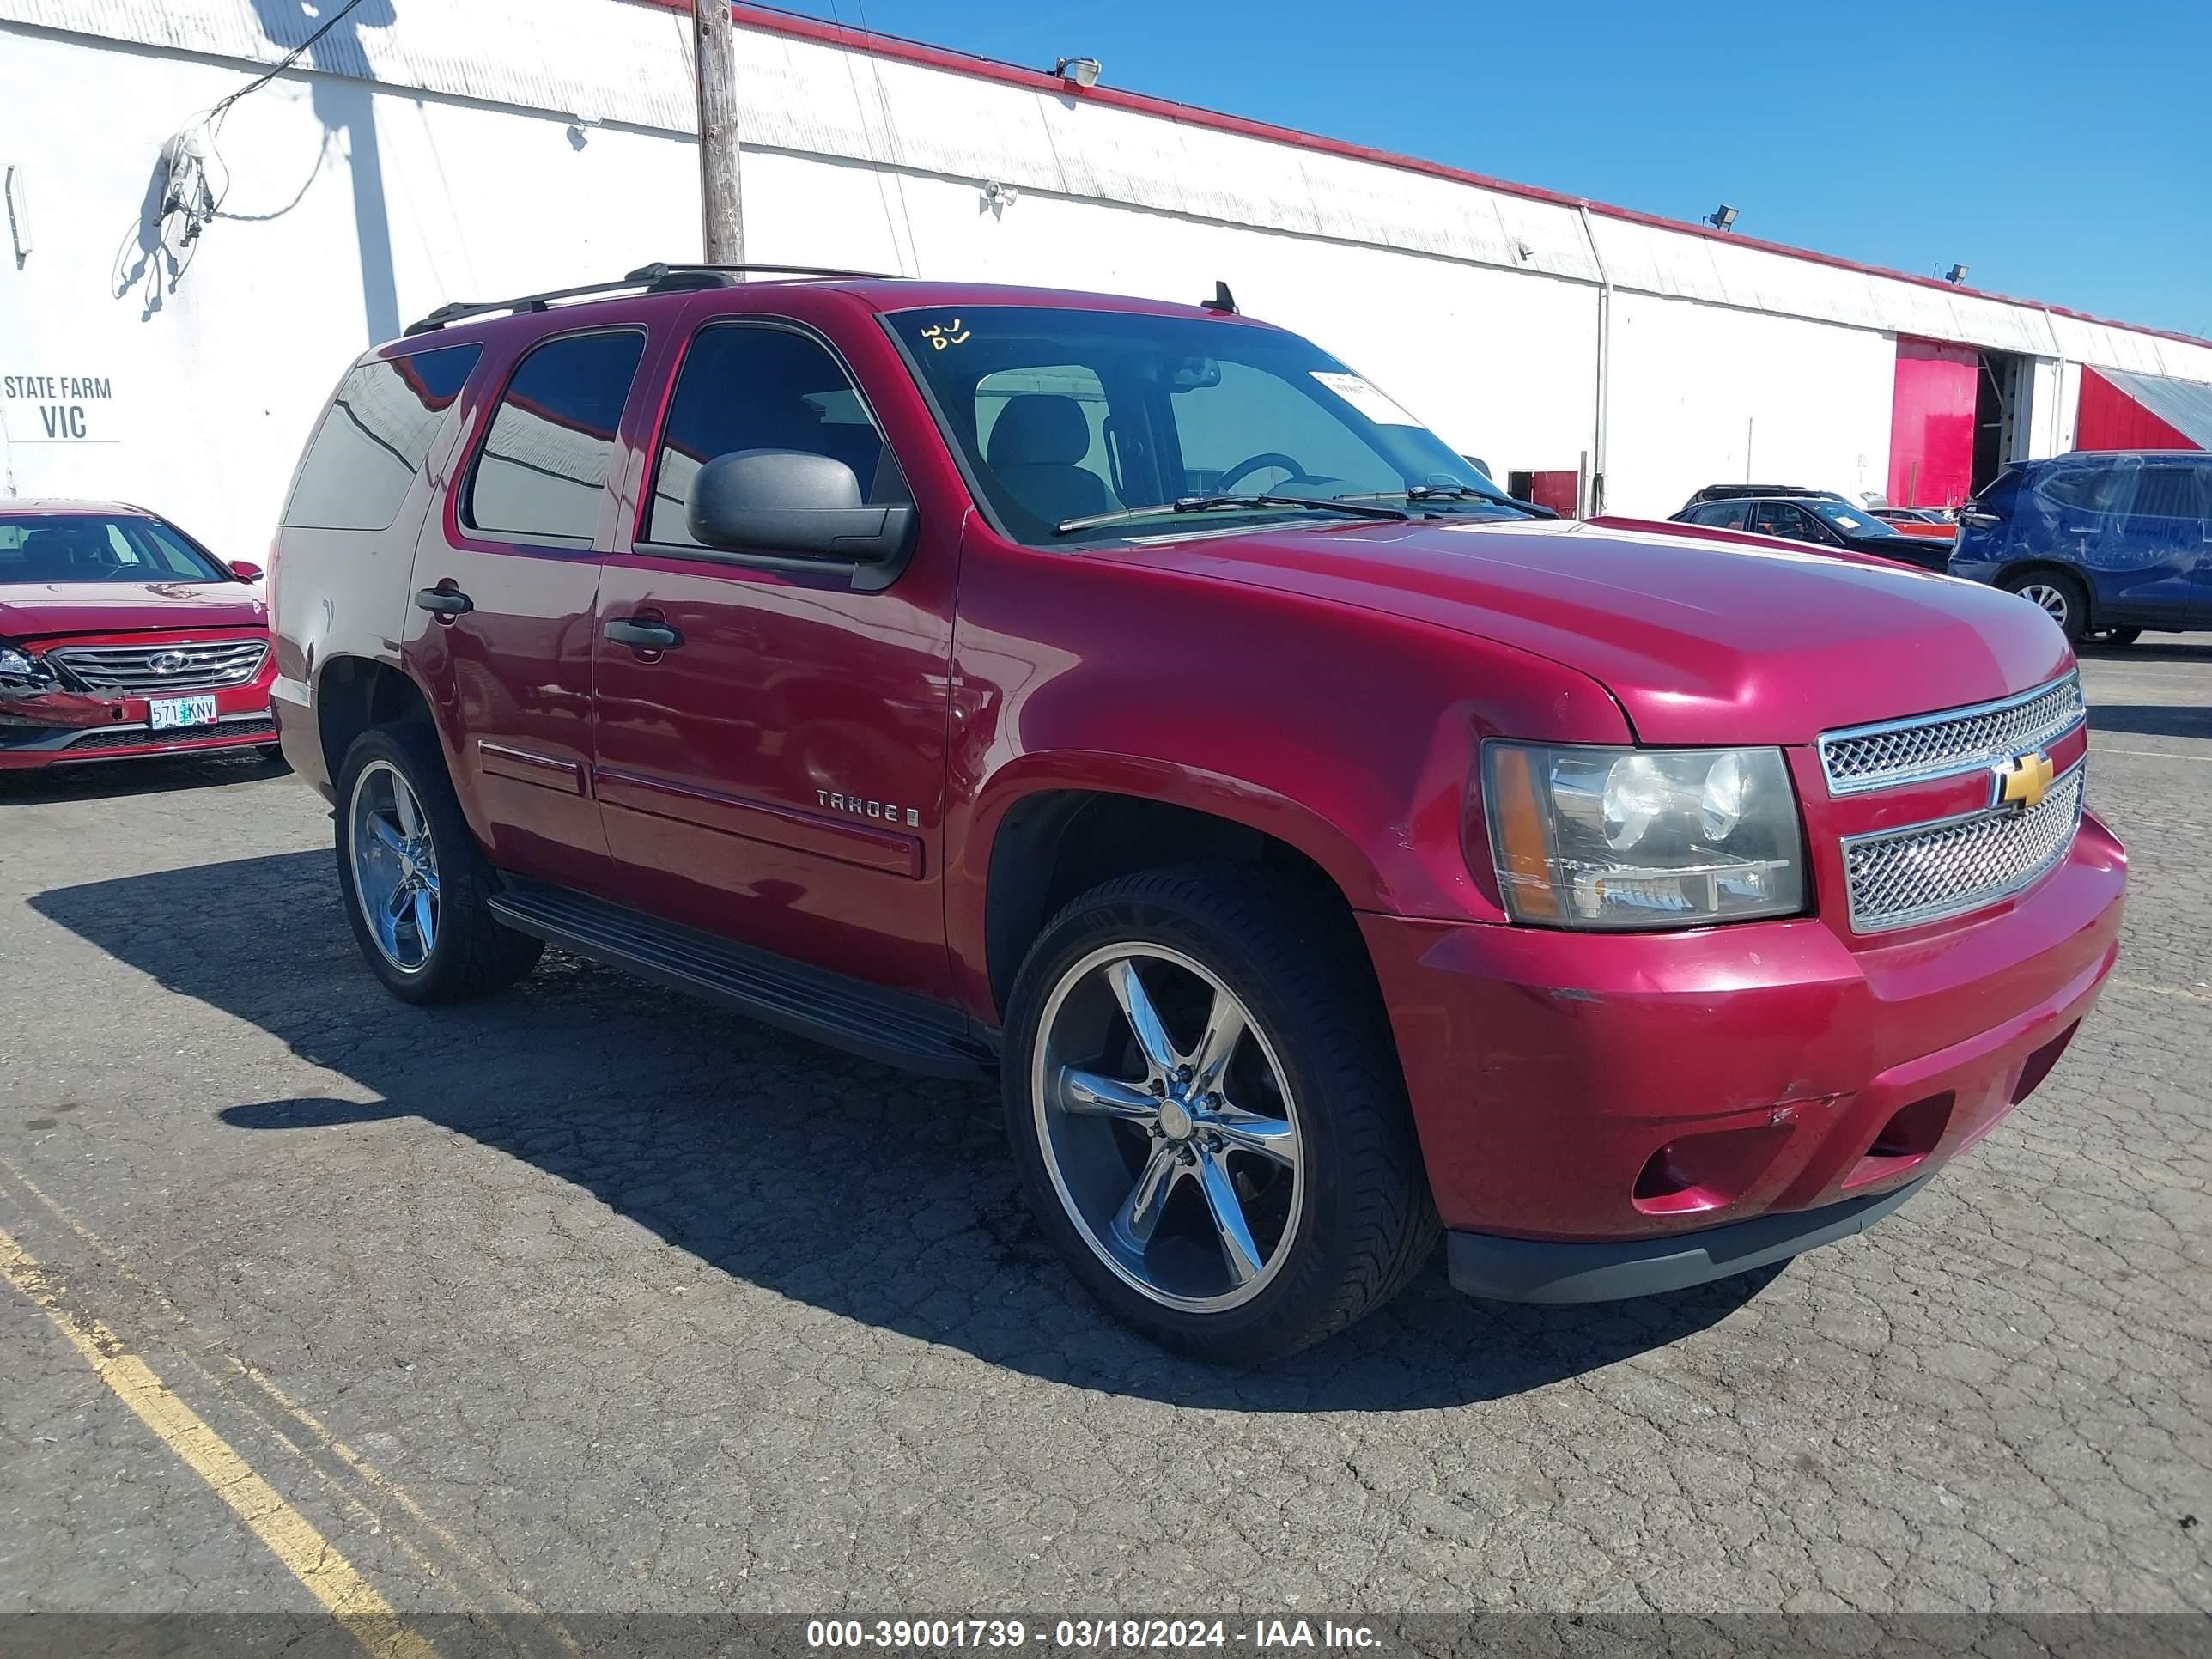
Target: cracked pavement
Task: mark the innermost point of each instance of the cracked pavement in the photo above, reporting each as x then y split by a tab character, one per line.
593	1299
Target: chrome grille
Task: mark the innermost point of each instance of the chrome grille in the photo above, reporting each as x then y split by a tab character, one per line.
160	669
1957	740
1898	878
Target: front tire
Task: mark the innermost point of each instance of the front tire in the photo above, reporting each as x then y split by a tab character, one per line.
415	886
1205	1105
2062	599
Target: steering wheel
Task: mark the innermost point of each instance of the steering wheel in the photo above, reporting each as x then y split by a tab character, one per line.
1266	457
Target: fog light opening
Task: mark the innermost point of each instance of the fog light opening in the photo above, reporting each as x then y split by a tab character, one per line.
2040	1063
1910	1135
1694	1173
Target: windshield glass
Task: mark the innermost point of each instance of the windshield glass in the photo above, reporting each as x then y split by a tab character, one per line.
92	547
1062	414
1849	520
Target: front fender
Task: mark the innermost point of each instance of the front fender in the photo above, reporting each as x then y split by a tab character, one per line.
1348	735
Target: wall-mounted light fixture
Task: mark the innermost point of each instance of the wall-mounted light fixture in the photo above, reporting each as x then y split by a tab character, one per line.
19	213
1078	72
1721	217
1956	275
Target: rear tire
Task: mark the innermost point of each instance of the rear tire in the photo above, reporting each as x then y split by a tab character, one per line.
407	857
2063	599
1289	1197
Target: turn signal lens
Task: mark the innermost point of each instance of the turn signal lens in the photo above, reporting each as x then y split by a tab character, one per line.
1516	835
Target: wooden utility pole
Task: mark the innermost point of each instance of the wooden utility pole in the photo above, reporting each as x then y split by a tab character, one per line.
720	208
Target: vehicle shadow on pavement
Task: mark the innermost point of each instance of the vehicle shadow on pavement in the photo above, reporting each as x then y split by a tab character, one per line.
2152	720
864	1191
119	779
2168	647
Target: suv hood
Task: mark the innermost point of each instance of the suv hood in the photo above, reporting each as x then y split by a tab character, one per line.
31	610
1702	639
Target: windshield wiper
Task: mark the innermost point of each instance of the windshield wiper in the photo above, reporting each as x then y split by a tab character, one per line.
1350	508
1453	492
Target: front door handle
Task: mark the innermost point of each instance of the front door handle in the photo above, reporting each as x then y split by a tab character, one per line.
643	636
444	601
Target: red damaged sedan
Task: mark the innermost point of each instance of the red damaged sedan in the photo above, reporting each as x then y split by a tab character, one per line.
121	636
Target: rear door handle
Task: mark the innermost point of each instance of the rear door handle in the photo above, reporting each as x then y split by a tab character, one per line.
643	636
444	601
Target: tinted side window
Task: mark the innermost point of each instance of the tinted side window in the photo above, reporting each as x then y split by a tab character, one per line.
373	437
1781	519
2092	489
2173	492
749	385
543	472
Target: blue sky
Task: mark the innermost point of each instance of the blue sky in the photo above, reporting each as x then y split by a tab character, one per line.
2062	152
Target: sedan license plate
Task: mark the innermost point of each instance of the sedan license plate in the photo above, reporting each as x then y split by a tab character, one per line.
169	714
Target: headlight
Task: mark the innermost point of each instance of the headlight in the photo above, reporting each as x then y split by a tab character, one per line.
21	671
1586	837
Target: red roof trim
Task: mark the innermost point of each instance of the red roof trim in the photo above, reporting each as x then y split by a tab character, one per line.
792	25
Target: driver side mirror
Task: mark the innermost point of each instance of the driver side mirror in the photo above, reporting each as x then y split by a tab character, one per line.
790	501
245	572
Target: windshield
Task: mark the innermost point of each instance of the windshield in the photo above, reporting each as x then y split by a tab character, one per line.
94	547
1849	520
1062	416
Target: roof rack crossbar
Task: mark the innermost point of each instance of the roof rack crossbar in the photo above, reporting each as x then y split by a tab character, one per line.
660	277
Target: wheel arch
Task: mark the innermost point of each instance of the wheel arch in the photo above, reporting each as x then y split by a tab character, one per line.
1038	846
355	694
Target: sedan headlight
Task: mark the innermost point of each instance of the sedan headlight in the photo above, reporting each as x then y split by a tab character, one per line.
21	671
1589	837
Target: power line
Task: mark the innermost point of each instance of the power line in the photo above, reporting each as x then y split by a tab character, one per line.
222	106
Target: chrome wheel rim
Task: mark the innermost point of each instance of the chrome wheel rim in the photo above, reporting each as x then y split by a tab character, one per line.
1167	1128
395	866
2053	601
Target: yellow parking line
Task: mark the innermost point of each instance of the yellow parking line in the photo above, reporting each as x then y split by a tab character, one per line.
291	1537
302	1429
2186	994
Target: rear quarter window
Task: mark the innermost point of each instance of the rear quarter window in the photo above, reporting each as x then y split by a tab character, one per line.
2091	489
373	439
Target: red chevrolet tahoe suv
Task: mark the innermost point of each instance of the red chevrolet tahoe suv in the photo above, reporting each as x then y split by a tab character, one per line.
1131	702
121	637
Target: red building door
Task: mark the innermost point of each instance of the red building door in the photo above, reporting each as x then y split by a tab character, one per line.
1931	426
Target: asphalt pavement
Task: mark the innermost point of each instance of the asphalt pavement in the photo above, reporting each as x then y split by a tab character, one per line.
593	1300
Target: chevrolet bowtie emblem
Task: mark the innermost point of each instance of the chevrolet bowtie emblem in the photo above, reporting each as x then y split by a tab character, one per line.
2025	779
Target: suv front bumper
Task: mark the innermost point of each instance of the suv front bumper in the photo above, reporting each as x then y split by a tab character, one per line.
1610	1114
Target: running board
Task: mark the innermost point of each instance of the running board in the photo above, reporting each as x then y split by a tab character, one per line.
906	1031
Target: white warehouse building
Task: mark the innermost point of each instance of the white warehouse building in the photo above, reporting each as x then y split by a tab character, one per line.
189	276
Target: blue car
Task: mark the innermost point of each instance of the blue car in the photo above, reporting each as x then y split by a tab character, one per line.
2107	544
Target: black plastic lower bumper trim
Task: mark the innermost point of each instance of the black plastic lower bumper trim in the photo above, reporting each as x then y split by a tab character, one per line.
1613	1270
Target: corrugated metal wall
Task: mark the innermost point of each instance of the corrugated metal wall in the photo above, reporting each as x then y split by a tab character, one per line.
474	148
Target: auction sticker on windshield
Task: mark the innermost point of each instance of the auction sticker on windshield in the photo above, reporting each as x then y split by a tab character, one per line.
1367	398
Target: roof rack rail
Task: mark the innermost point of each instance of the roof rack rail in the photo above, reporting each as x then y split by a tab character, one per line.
662	276
660	271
